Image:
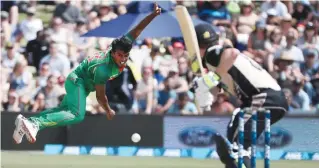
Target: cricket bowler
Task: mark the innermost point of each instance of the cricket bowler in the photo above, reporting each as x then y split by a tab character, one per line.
252	84
91	75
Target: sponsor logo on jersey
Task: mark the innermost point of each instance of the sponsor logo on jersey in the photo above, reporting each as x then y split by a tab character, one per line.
200	136
279	138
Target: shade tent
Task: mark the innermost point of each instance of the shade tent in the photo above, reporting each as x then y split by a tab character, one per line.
164	25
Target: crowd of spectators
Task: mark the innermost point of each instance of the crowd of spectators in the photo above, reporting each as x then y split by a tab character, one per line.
36	56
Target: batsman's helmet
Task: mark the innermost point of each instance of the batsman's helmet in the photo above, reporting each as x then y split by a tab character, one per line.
206	35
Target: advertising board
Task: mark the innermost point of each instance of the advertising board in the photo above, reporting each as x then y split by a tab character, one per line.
289	134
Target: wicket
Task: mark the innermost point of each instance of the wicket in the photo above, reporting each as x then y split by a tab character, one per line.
253	136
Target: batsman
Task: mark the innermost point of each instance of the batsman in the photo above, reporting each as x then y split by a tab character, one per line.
91	75
245	79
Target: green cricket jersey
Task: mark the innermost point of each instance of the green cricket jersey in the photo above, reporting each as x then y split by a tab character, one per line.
97	69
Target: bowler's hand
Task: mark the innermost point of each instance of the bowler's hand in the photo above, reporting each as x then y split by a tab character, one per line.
110	114
157	10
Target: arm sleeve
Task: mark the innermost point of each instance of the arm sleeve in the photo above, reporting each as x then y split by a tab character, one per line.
100	76
129	37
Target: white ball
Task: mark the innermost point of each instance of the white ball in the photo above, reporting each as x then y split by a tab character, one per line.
136	137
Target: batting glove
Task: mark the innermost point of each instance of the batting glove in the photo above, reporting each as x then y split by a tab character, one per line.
202	86
206	82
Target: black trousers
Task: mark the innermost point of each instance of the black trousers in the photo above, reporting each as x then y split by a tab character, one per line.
269	99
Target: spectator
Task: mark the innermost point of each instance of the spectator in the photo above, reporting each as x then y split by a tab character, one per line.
286	24
60	36
61	82
272	20
178	50
215	12
146	92
310	70
11	8
183	106
93	20
290	48
166	97
13	102
221	106
5	26
68	12
256	43
106	11
302	12
299	95
86	7
57	62
244	24
51	93
20	78
190	5
284	73
309	40
178	84
280	7
31	25
289	5
44	73
233	7
39	103
38	48
80	45
184	71
275	42
11	57
291	104
156	59
165	65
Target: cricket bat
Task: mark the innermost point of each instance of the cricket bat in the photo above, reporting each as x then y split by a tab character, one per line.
190	38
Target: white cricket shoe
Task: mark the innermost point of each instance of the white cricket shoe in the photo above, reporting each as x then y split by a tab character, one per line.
18	131
31	129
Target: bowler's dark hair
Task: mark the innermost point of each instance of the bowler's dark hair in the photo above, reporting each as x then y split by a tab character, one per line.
122	44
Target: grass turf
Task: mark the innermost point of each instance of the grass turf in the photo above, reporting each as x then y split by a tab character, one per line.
11	159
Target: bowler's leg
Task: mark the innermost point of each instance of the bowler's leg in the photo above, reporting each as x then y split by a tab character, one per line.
70	111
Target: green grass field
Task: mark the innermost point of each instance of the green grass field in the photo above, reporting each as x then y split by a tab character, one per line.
38	160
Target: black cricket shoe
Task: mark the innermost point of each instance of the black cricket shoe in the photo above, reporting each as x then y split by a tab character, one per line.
224	151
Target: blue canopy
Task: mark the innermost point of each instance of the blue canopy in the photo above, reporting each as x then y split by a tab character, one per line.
164	25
